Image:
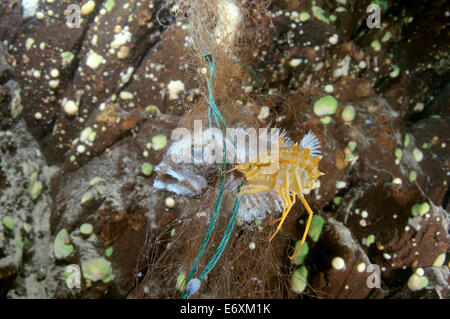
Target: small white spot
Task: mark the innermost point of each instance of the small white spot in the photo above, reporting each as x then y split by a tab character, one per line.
170	202
264	113
121	38
29	8
39	15
94	60
88	7
36	74
338	263
81	149
295	62
252	245
333	39
70	107
361	267
418	155
174	88
53	83
418	107
29	43
420	272
329	88
341	184
125	95
54	73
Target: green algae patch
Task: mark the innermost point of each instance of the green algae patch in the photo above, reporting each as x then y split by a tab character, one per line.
316	227
86	229
319	13
147	169
61	246
299	279
300	257
97	269
326	105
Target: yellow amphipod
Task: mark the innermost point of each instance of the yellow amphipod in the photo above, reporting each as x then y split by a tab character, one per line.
297	171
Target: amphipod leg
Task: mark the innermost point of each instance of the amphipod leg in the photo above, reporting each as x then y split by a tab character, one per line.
286	211
253	189
292	202
288	203
310	212
308	223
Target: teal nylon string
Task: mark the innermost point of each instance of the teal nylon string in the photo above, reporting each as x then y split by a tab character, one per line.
225	238
250	70
215	112
223	243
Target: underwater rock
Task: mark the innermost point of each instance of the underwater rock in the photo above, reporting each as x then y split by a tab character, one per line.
340	265
400	241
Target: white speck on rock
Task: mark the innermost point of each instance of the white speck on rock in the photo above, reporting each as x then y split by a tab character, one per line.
29	43
333	39
418	155
94	60
229	17
344	66
121	38
341	184
170	202
418	107
295	62
338	263
264	113
70	107
420	272
174	88
125	95
361	267
81	148
329	88
29	8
